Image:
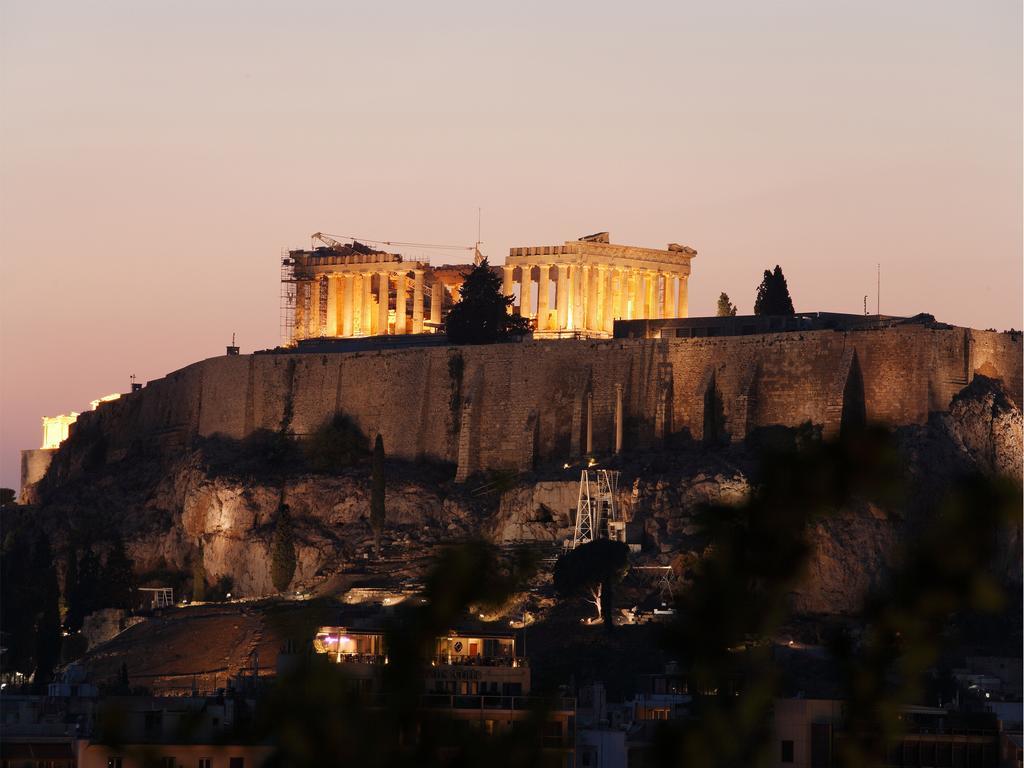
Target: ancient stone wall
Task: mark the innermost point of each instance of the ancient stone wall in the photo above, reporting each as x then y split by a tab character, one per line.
513	405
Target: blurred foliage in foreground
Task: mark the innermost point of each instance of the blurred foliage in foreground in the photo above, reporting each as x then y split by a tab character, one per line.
739	600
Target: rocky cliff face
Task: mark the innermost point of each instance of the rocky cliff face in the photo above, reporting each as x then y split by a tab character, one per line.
165	507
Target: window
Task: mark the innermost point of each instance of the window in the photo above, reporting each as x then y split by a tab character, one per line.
166	762
236	762
204	762
787	751
113	762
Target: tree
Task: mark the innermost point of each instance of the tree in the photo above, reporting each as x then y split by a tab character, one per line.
481	316
282	550
725	307
336	445
17	601
593	569
198	575
71	620
7	497
47	607
118	580
377	488
773	295
87	596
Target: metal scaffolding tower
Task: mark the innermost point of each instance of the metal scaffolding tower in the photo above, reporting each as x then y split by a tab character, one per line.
287	299
595	507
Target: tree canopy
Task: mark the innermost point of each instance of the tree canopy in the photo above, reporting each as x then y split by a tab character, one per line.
773	295
481	316
593	570
725	307
282	550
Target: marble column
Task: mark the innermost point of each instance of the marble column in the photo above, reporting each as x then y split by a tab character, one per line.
543	296
684	297
636	284
314	308
401	303
590	290
367	303
576	289
526	291
383	300
670	296
357	305
417	301
609	300
346	312
656	300
332	305
436	297
506	283
562	296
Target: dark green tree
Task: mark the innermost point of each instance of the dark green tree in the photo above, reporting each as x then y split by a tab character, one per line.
17	600
337	444
87	595
593	570
481	316
118	579
773	295
47	609
725	307
7	496
377	488
198	574
72	619
282	550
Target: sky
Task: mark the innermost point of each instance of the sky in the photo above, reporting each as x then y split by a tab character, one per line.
156	157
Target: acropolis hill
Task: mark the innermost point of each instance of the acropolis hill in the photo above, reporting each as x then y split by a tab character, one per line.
181	468
521	405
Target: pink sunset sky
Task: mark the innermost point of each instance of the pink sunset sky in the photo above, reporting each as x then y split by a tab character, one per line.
155	157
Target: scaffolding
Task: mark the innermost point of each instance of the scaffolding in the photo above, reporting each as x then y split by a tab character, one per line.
287	330
596	515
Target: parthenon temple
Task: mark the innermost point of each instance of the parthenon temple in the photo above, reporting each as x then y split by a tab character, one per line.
582	286
578	288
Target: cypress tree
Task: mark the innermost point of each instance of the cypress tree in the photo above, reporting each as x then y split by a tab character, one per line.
725	307
86	597
47	627
282	550
72	618
377	489
17	602
773	294
118	578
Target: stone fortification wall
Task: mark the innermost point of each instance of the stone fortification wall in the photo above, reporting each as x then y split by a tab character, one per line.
513	405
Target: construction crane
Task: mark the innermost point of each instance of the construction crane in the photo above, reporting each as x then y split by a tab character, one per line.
327	240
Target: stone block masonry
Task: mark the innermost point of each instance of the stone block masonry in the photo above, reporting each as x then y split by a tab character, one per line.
515	406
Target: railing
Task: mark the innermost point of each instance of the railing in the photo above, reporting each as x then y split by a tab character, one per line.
437	661
457	701
479	661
